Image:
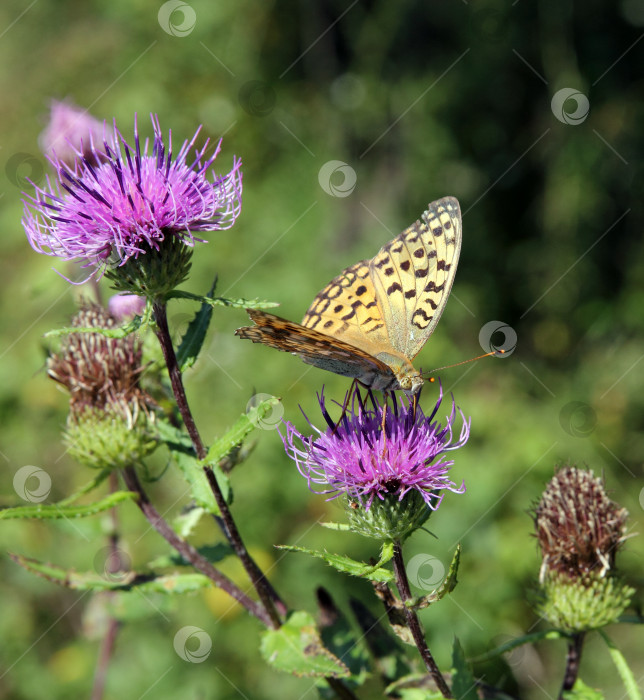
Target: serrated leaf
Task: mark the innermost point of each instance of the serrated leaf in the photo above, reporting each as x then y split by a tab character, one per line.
191	468
243	426
372	572
120	581
55	511
223	301
463	683
296	648
192	341
118	332
185	523
447	585
582	692
625	673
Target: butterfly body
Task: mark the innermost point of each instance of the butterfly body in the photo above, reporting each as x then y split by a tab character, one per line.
372	319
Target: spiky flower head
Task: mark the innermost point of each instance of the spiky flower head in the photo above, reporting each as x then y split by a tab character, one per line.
578	527
72	133
579	530
109	419
391	478
134	215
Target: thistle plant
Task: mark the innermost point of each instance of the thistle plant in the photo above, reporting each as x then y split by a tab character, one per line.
132	216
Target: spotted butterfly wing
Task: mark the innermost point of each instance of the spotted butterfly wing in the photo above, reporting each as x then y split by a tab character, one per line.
372	319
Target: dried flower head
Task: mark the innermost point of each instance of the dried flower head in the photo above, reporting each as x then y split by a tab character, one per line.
132	204
72	133
578	527
401	472
100	372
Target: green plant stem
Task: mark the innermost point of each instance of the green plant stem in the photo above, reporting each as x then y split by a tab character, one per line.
575	645
402	583
188	552
255	574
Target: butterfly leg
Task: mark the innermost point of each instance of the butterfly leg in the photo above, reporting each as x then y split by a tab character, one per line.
344	406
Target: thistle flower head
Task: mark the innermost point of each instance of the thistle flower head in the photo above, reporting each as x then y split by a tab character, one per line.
130	203
369	465
72	131
578	527
99	372
579	530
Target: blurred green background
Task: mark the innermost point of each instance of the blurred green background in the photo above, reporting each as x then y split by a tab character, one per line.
421	100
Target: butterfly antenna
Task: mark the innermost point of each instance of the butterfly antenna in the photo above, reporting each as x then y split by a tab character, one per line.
464	362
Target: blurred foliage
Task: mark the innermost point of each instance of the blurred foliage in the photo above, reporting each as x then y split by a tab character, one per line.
421	100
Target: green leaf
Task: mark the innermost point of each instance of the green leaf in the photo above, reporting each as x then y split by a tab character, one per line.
90	486
519	641
118	332
192	341
340	527
350	566
213	553
256	416
463	683
388	653
625	673
582	692
223	301
120	581
56	511
447	586
296	648
191	468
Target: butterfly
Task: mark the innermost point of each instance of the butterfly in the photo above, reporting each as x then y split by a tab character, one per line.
373	319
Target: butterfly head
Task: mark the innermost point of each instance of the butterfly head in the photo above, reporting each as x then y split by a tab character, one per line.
411	383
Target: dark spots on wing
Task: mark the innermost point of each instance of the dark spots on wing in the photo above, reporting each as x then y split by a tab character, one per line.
448	224
410	294
431	287
338	308
328	324
361	290
422	272
370	304
438	231
395	287
382	262
376	328
405	265
357	304
397	249
350	315
420	318
419	253
442	265
431	253
389	271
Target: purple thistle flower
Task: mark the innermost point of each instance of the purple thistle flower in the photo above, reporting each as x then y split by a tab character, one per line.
359	460
123	306
72	130
130	202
